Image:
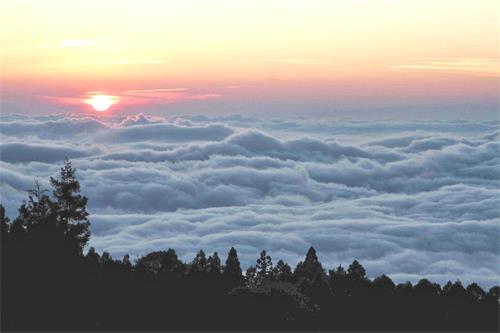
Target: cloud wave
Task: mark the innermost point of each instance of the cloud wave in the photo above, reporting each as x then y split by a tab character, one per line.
410	199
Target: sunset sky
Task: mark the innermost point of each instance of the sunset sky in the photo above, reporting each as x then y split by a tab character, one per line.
325	57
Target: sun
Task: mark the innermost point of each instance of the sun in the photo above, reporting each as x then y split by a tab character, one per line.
101	102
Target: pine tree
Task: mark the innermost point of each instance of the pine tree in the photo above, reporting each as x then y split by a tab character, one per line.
493	294
70	206
356	271
264	267
475	291
232	267
426	288
282	272
199	263
213	264
126	262
251	279
383	283
232	270
36	209
404	289
4	221
454	289
310	269
161	262
338	281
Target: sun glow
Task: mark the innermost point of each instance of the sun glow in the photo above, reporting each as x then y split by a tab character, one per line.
101	102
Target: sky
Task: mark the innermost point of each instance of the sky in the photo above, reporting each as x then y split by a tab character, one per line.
367	59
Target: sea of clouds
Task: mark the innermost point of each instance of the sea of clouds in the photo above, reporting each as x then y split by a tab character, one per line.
406	198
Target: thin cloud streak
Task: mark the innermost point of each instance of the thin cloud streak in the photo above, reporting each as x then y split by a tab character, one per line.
479	66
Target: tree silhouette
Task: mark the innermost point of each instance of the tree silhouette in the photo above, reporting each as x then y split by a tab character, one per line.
310	269
311	277
214	264
356	271
251	278
70	205
384	282
232	269
454	289
282	272
494	294
199	263
264	267
338	281
161	262
475	291
36	209
4	221
404	289
426	288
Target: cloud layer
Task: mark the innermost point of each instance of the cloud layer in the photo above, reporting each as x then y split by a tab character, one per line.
410	199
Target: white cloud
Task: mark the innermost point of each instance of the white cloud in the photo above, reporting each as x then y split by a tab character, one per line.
410	199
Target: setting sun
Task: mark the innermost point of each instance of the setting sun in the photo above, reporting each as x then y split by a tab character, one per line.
101	102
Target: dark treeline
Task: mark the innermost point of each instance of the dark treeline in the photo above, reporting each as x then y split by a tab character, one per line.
50	284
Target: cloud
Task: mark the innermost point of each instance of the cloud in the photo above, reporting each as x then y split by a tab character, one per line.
478	66
409	199
22	153
56	127
164	132
153	95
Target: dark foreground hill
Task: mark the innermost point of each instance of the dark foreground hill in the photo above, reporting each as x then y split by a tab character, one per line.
49	284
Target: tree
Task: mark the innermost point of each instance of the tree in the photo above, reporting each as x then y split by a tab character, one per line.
311	277
356	271
38	206
338	281
383	285
426	288
213	264
70	206
92	256
264	267
282	272
232	270
383	282
251	279
34	210
454	289
310	269
4	222
357	282
494	294
126	262
475	291
160	262
404	289
199	263
232	267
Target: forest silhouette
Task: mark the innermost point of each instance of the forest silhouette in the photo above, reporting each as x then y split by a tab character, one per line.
48	283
